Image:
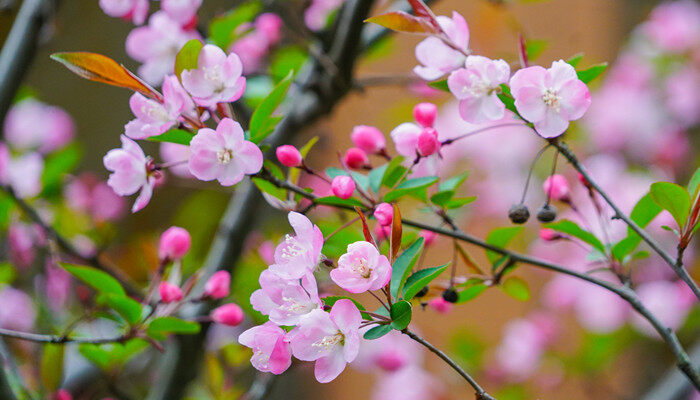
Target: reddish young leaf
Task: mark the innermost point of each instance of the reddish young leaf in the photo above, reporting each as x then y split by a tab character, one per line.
522	52
404	22
468	260
396	232
99	68
422	10
365	227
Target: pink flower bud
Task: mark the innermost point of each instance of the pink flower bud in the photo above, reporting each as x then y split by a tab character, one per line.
174	243
428	236
549	234
382	232
557	187
355	158
228	314
384	214
289	156
343	186
425	114
63	394
218	286
428	143
368	138
269	25
440	305
169	293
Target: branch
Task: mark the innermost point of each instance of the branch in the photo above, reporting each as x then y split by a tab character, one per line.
480	392
673	385
56	339
676	264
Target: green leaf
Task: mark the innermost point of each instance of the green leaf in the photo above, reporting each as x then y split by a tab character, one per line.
420	279
160	327
642	214
672	198
516	288
575	60
267	187
222	29
440	85
375	177
694	183
453	183
457	203
96	355
52	366
401	314
179	136
394	172
507	98
290	58
471	292
57	165
337	201
377	332
592	72
415	186
441	198
500	237
127	307
187	56
98	280
572	229
262	123
294	173
535	47
403	265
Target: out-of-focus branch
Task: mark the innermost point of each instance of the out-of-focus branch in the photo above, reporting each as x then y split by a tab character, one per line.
673	385
57	339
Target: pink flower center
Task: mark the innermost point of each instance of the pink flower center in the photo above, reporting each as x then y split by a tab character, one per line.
330	341
224	156
551	98
215	76
361	268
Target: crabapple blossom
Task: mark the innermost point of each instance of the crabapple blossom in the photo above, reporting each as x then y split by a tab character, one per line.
384	213
22	173
217	79
392	352
477	86
440	305
223	154
128	10
229	314
18	311
31	124
174	243
550	98
410	383
153	117
177	157
289	156
664	299
253	47
428	236
331	339
298	255
425	114
130	172
405	137
556	187
269	25
169	293
271	350
156	45
355	158
285	301
368	139
21	239
343	186
362	268
428	143
435	56
218	286
317	14
57	283
674	26
182	11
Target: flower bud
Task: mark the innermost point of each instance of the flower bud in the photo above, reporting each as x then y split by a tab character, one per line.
519	214
428	143
556	187
289	156
425	114
384	214
450	296
547	213
63	394
174	243
355	158
169	293
343	186
218	286
548	234
440	305
428	236
368	138
228	314
382	232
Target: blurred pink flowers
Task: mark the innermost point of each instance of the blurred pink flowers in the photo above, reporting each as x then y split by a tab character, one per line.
128	10
436	57
31	124
271	350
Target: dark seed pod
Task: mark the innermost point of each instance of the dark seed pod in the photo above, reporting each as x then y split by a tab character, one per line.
518	213
422	292
547	213
450	296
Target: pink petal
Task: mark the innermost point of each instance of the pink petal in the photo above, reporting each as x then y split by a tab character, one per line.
329	367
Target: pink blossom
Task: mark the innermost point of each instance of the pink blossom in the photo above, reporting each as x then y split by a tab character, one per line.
156	45
343	186
440	305
355	158
31	124
285	301
405	137
674	26
182	11
87	194
436	57
425	114
169	293
317	14
384	214
556	187
271	350
599	310
520	351
18	311
174	243
129	10
22	173
428	236
368	139
224	154
392	352
229	314
362	268
331	339
289	156
130	172
217	79
57	286
550	98
665	300
269	25
21	240
252	49
410	383
218	286
298	255
428	143
154	118
683	101
477	88
177	156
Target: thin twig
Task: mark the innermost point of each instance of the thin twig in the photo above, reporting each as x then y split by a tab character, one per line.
60	339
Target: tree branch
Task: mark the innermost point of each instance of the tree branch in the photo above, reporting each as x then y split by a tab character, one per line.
57	339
